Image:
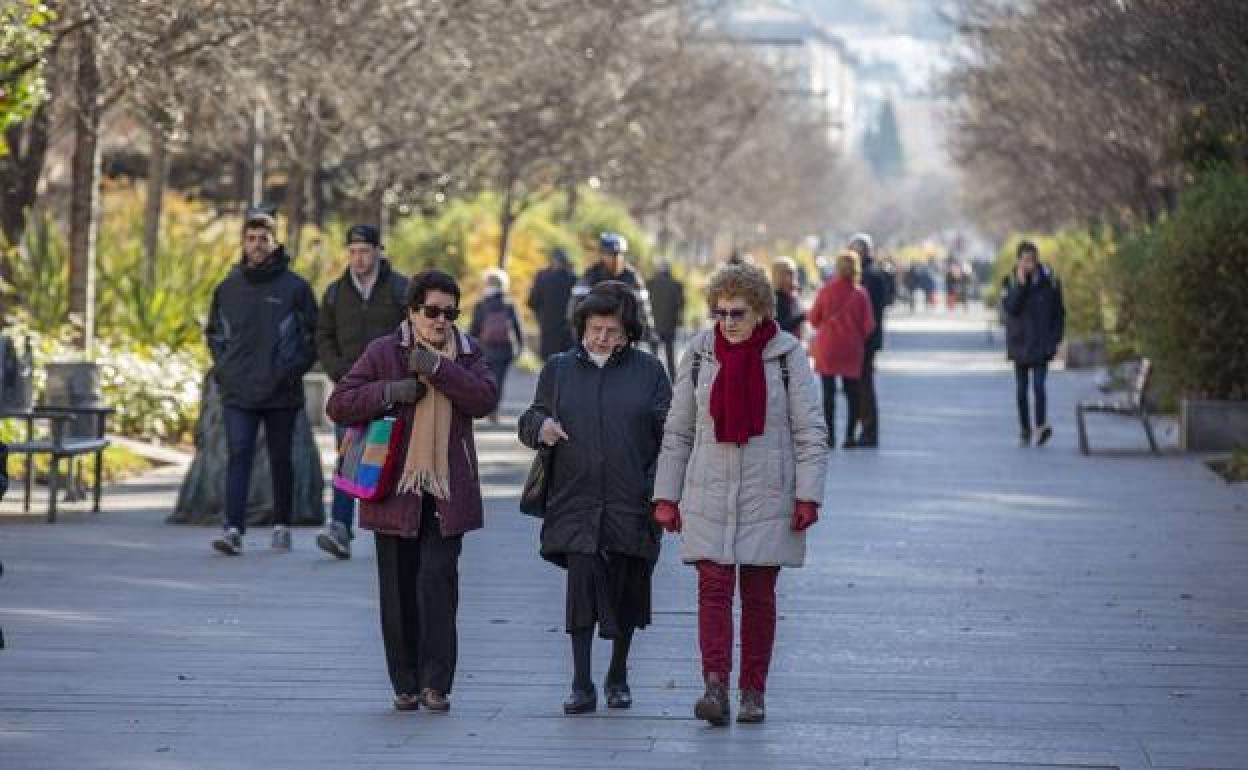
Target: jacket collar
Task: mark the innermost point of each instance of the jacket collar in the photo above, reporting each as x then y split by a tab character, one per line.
780	345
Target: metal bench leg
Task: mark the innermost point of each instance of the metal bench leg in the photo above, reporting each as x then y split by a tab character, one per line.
53	483
99	479
1083	430
30	480
1148	431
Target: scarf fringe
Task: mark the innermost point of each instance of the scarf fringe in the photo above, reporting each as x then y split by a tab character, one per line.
425	481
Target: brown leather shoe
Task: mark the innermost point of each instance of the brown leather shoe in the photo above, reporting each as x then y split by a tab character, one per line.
713	706
752	709
434	700
405	702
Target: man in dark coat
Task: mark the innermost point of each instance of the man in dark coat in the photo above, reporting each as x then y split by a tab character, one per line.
366	302
1035	322
600	409
880	289
667	300
548	299
611	266
260	331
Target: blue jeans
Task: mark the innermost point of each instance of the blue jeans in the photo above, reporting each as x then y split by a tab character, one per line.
343	509
240	436
1039	373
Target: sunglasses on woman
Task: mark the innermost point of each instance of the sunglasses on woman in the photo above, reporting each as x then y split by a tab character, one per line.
433	311
736	314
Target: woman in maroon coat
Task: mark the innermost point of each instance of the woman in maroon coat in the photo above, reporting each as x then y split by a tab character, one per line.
436	378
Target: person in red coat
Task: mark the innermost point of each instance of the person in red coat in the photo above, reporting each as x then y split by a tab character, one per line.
842	319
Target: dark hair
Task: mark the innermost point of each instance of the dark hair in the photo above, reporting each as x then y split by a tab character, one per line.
430	280
614	298
1026	247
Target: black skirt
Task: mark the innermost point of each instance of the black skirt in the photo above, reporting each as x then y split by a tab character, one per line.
610	589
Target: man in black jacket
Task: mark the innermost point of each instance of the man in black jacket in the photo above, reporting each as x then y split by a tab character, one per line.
548	299
368	301
260	330
1035	322
880	289
667	298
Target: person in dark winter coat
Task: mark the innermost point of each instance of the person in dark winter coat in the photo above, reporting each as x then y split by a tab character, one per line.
436	379
496	325
881	289
789	313
667	300
260	332
605	429
1035	321
367	302
611	267
548	299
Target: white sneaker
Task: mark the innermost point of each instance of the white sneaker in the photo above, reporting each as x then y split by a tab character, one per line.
229	542
281	538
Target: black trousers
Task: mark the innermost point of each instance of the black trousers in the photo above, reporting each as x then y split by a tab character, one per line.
418	580
241	426
852	393
1038	374
869	407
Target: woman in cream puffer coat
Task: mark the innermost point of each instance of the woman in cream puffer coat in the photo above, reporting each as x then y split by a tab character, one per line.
741	475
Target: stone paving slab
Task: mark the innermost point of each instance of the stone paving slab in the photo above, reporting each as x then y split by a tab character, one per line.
966	604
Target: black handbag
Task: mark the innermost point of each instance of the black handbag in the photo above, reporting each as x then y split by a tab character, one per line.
533	496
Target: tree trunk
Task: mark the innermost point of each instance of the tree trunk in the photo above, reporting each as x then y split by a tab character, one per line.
506	220
296	190
256	196
20	171
573	193
201	498
157	173
85	191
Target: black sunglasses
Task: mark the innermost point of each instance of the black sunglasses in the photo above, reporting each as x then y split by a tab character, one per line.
736	314
433	311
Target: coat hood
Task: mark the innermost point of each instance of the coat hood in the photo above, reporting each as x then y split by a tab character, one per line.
780	345
277	263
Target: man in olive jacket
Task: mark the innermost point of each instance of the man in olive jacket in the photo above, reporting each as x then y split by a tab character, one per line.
260	331
365	303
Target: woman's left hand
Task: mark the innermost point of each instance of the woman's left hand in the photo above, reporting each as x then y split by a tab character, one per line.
804	514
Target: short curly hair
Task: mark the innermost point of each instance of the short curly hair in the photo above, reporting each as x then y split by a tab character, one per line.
745	281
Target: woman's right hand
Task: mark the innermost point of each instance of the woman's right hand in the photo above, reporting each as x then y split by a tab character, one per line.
667	514
552	433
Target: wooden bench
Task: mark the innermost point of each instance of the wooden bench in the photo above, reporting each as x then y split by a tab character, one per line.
1126	396
61	443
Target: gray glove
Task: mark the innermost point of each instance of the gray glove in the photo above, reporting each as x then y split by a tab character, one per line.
405	391
422	360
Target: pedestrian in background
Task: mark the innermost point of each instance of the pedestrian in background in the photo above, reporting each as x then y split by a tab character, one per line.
741	477
369	300
881	289
260	333
667	299
496	325
789	313
1035	322
437	380
843	323
548	299
601	407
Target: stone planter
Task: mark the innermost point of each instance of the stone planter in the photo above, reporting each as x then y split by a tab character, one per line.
1213	426
316	389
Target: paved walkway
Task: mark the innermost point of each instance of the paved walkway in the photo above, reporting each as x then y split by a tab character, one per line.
967	604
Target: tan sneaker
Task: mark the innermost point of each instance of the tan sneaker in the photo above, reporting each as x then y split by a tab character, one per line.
713	706
752	709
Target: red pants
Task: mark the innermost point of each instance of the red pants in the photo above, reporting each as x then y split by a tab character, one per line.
716	586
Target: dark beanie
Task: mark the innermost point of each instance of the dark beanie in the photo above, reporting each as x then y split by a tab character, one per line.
364	234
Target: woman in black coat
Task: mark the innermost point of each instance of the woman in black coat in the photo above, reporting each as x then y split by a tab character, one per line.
1035	320
605	429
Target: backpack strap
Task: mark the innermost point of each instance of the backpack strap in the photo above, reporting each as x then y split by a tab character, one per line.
696	369
784	372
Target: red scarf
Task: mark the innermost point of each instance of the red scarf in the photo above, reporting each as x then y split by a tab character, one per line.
739	393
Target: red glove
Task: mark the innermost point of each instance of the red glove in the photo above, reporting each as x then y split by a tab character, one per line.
805	514
667	514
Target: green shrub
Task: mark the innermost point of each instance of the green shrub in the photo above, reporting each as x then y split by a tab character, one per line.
1193	309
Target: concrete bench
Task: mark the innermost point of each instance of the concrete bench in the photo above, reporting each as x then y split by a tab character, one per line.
1125	401
60	444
